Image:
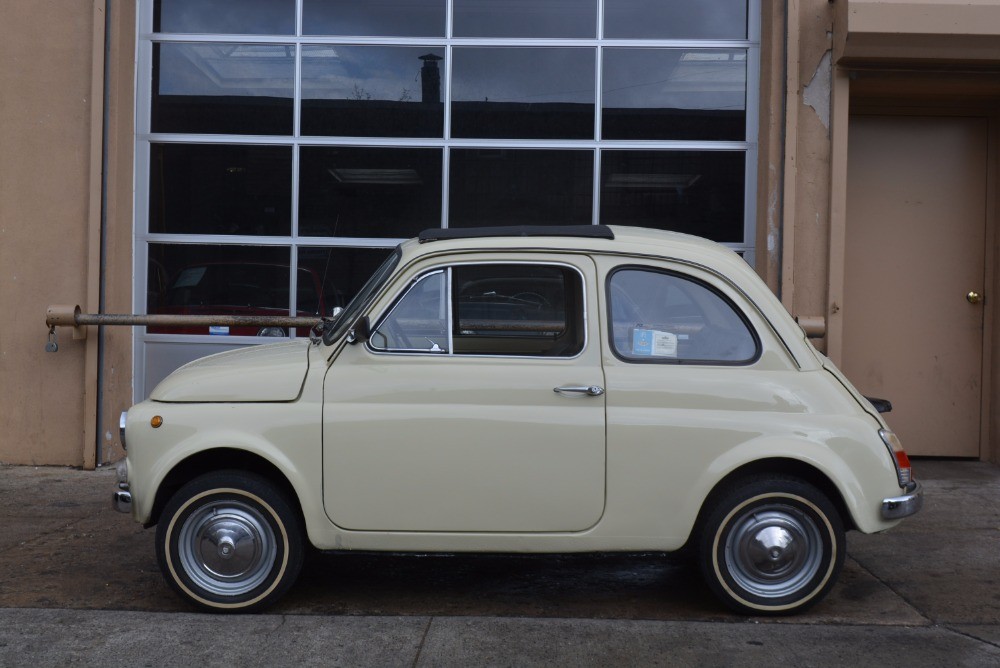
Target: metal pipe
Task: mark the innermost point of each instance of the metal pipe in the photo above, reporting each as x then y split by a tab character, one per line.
70	316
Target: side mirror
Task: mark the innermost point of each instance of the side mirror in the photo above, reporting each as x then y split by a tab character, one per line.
361	331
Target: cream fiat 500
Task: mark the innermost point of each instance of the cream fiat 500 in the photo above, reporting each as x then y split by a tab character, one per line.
526	389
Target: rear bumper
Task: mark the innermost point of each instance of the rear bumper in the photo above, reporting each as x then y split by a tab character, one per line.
896	507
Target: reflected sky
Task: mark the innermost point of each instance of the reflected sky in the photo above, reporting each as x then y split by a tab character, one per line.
667	19
364	72
675	79
239	17
525	18
226	69
395	18
523	75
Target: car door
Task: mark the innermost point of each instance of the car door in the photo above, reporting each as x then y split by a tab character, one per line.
476	405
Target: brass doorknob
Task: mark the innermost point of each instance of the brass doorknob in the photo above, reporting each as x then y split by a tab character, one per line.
974	297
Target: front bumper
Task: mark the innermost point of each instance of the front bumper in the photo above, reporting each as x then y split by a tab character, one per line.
907	504
122	499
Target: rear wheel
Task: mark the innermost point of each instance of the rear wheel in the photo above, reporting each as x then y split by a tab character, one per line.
772	546
229	541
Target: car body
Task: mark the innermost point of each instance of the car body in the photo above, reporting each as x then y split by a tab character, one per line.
242	289
530	390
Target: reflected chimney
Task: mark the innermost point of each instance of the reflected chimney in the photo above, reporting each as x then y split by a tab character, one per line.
430	79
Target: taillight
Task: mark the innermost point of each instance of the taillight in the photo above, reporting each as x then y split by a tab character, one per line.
904	472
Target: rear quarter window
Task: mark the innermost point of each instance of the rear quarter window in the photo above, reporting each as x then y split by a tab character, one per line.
666	317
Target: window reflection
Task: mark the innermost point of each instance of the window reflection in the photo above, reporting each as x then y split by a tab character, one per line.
674	94
234	17
523	187
220	189
675	19
528	93
343	271
396	18
698	193
525	18
188	279
372	91
369	192
223	88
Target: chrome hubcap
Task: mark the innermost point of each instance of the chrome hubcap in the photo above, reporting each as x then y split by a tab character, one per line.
773	550
227	548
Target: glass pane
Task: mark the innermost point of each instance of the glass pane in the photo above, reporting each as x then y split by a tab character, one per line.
698	193
418	321
396	18
675	19
525	18
217	280
223	88
517	310
521	187
340	271
526	93
239	17
663	317
220	189
674	94
369	192
372	91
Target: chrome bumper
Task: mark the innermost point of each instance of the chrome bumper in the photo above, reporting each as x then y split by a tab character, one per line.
905	505
122	499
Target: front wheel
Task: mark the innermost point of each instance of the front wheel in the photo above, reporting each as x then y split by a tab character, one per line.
772	546
230	541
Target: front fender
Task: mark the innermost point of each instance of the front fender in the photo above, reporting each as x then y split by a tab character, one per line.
287	436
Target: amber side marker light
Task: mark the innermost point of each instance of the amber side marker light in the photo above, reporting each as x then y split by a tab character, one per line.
156	422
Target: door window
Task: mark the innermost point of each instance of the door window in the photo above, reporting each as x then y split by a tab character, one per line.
489	309
658	316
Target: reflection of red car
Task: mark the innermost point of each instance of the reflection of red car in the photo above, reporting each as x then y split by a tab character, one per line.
225	288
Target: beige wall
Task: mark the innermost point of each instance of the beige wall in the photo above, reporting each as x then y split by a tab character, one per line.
51	132
47	112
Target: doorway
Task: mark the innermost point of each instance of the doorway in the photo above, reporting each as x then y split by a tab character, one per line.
915	275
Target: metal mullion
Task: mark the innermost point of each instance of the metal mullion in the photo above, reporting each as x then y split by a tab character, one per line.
600	20
214	240
446	149
596	213
177	138
215	38
298	18
349	242
293	285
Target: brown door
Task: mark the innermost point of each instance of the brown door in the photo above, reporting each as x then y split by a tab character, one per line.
916	226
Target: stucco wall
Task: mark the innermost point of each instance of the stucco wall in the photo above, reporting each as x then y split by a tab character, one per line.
45	158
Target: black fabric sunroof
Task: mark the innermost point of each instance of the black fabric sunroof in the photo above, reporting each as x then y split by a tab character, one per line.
587	231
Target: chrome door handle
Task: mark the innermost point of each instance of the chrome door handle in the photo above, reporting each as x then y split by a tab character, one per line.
589	390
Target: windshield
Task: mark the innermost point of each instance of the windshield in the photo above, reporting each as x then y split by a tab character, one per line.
362	299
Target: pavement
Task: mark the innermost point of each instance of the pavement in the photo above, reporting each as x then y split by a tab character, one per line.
79	585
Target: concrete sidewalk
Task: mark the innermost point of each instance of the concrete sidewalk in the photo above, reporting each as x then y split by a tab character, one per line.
79	583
